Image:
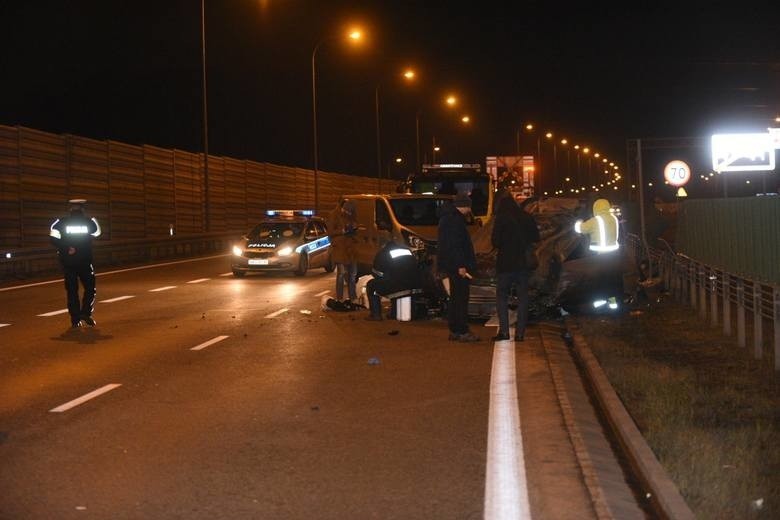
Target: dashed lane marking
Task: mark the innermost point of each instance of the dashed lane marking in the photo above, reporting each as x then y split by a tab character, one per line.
322	293
199	280
166	288
209	342
506	490
117	299
84	398
227	274
4	324
277	313
54	313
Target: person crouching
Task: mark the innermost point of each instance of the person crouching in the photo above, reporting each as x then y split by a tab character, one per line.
396	274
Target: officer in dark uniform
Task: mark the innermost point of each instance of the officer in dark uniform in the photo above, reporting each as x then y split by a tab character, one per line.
396	274
72	236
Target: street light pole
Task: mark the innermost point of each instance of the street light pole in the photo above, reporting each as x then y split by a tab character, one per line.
378	141
418	165
314	124
206	208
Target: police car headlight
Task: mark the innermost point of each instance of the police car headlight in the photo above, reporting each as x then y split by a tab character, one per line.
237	251
285	251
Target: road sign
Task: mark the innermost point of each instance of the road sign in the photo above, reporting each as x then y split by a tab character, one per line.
743	152
677	173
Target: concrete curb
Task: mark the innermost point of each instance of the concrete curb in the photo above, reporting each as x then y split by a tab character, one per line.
665	496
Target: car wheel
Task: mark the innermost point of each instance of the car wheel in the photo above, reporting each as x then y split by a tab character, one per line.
329	265
303	265
239	274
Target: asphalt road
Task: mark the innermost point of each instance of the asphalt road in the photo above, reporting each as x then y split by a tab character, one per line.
203	396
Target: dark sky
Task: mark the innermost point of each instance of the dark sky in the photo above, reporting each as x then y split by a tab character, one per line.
596	74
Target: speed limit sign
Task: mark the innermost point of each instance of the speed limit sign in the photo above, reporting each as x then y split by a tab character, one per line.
677	173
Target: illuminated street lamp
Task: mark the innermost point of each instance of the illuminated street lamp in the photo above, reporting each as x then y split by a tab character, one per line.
410	76
354	35
207	204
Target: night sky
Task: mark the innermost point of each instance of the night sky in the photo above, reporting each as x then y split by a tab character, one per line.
131	71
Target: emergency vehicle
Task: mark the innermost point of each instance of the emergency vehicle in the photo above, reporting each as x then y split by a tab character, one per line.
285	240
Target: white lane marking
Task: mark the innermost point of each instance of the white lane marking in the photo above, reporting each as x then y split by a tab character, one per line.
277	313
84	398
59	280
227	274
166	288
199	280
4	324
209	342
117	299
322	293
506	489
54	313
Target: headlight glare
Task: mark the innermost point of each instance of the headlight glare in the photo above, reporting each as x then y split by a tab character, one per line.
285	251
237	251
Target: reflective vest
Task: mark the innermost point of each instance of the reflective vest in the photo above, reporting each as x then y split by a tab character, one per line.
602	229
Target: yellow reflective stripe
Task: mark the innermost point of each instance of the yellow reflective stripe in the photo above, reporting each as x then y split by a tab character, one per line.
98	231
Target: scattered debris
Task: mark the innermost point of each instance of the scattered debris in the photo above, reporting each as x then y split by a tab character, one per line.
203	316
393	333
305	311
757	504
373	361
81	508
233	316
315	408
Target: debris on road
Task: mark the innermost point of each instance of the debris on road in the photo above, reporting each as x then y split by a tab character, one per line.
373	361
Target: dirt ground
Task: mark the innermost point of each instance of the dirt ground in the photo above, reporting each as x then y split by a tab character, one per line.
707	409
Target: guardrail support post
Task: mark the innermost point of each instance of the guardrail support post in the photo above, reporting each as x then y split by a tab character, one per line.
726	304
703	293
692	282
776	314
758	329
714	298
741	313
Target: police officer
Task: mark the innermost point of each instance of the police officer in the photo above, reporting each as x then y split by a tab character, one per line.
396	274
72	236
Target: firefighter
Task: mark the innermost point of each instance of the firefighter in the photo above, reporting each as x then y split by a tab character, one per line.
72	236
602	228
396	274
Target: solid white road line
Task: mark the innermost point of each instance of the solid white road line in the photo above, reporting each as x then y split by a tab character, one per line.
506	490
84	398
4	324
54	313
322	293
59	280
209	342
166	288
117	299
277	313
199	280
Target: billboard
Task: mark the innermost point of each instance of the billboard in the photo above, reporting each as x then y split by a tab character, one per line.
743	152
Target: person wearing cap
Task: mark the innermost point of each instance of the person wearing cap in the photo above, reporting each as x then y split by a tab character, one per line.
72	236
456	260
342	225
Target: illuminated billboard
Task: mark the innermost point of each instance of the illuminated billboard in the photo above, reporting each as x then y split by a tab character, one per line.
743	152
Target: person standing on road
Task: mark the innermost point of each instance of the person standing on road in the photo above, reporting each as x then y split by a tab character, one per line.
603	230
456	259
342	225
514	231
72	236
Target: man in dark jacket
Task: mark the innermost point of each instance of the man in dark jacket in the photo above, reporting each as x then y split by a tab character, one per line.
72	236
396	274
455	258
514	231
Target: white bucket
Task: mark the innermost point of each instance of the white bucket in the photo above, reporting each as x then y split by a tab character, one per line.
403	308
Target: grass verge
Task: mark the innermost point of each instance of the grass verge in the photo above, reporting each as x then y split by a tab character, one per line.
708	411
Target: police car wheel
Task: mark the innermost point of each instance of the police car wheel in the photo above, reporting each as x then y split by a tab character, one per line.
239	274
329	265
303	266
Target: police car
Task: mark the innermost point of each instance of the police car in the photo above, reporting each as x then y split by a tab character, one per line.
285	240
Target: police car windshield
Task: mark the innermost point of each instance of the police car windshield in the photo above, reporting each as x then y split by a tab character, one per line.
417	212
277	230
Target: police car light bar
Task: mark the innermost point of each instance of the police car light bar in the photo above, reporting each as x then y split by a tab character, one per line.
289	212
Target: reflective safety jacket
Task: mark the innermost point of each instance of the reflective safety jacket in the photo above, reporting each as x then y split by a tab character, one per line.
72	236
602	228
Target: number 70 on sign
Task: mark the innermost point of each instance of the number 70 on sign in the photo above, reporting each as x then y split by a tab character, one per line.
677	173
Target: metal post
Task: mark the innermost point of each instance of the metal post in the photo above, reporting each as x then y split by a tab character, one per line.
418	166
641	206
702	293
726	304
207	205
776	314
692	281
741	313
378	141
714	298
758	329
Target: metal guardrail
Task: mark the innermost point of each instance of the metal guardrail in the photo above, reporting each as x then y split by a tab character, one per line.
717	294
